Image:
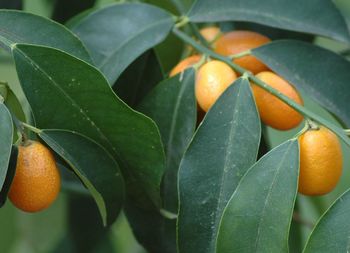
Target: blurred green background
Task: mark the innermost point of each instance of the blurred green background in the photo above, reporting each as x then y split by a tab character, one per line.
43	232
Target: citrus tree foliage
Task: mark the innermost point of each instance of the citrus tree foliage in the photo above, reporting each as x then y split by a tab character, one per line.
127	135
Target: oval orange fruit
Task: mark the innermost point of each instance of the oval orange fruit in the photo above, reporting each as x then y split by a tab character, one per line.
239	41
37	181
274	112
321	161
212	80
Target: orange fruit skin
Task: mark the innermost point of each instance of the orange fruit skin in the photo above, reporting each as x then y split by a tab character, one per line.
184	64
37	180
273	112
210	33
239	41
321	162
211	81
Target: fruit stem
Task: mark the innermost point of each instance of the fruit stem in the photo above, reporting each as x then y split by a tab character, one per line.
182	21
31	128
312	125
303	130
299	108
200	62
240	55
199	36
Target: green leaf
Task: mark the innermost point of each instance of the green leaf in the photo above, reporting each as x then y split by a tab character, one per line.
139	78
95	167
16	108
9	176
67	93
312	16
223	148
332	231
117	34
172	105
258	215
154	232
33	29
169	58
321	74
6	137
273	33
14	105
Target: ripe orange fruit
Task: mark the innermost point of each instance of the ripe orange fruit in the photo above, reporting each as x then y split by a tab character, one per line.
37	180
212	80
239	41
273	111
184	64
210	33
320	161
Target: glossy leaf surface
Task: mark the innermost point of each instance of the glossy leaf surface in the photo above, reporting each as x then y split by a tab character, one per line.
172	105
332	231
117	34
37	30
223	148
81	100
6	137
258	216
95	167
312	16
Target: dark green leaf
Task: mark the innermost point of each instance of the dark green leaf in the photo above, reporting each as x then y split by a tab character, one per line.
223	148
16	108
169	58
273	33
332	231
258	215
153	231
6	137
14	105
139	78
38	30
94	166
172	105
66	93
321	74
116	35
9	176
312	16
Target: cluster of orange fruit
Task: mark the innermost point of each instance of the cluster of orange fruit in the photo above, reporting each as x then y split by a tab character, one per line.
36	183
320	150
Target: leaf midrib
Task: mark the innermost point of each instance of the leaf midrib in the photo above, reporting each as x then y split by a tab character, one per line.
223	178
74	103
278	170
174	119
